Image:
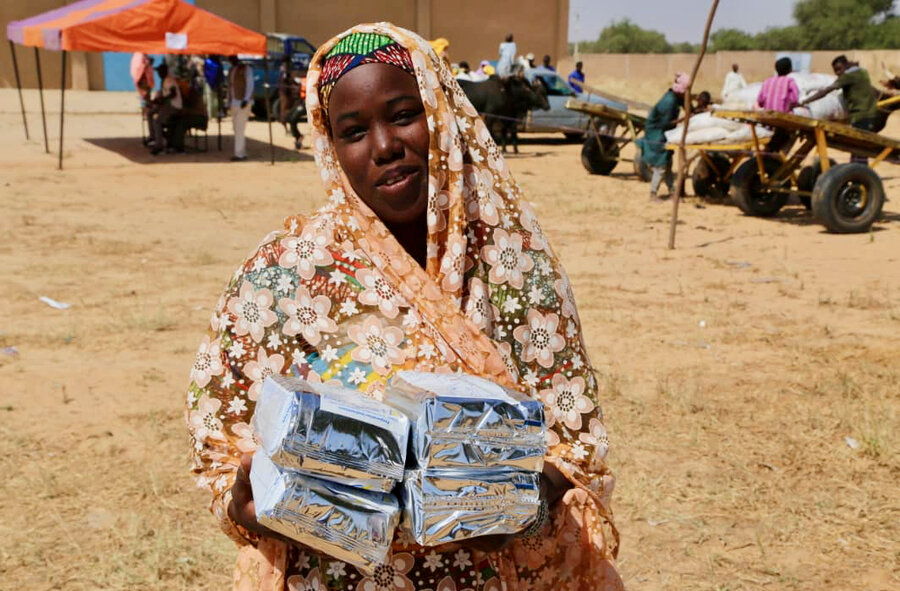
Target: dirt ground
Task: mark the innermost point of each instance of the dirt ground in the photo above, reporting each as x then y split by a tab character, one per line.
751	377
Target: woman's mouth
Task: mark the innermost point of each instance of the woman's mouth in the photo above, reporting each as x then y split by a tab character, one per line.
398	181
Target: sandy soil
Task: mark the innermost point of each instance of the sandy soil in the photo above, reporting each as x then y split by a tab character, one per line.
736	368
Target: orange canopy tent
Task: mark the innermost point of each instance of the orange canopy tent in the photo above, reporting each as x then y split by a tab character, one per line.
148	26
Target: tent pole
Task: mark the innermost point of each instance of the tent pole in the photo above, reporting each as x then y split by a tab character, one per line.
268	110
220	102
12	50
62	107
37	60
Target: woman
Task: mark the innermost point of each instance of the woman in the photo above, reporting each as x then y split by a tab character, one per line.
663	117
425	258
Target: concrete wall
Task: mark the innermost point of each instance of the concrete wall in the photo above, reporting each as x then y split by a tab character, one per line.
474	28
754	65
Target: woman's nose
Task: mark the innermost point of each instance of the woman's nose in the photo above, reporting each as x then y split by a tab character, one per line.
386	147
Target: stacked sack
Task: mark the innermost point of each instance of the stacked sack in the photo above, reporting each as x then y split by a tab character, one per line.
476	451
468	453
706	128
327	461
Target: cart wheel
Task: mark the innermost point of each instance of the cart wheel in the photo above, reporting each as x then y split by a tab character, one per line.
641	169
848	198
807	178
749	194
599	157
708	182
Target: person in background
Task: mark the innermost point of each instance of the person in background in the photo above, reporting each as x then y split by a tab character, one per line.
240	90
286	91
576	78
526	62
465	72
779	93
662	117
485	70
546	64
167	107
734	82
212	90
142	74
704	100
859	95
507	61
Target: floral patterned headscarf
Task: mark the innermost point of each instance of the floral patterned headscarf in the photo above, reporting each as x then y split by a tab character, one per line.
334	297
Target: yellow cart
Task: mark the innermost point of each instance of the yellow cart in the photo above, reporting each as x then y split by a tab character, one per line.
845	198
715	165
609	131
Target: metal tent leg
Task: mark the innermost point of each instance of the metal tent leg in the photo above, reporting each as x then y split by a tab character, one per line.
12	50
37	61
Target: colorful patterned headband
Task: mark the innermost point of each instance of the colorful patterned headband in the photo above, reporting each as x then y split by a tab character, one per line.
355	50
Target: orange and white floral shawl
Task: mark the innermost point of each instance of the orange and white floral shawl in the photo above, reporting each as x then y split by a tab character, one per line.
334	297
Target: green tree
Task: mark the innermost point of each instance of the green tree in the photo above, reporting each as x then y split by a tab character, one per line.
731	40
838	24
779	39
884	35
685	47
626	37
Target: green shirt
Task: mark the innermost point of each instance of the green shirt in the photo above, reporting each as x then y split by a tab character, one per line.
859	96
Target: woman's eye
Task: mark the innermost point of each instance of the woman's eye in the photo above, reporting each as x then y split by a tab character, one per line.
406	115
352	133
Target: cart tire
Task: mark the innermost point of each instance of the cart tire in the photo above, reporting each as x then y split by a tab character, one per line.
641	169
597	160
806	180
708	182
748	194
848	198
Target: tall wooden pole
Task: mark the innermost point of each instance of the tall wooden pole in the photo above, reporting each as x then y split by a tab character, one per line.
682	157
62	108
12	50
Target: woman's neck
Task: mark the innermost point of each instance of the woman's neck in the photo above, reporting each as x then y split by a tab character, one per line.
413	237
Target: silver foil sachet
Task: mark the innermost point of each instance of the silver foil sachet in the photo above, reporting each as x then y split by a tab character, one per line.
441	506
350	524
463	421
331	432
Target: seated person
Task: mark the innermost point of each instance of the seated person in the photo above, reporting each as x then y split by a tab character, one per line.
166	109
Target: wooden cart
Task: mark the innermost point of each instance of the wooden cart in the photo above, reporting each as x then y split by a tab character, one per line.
844	197
609	131
715	165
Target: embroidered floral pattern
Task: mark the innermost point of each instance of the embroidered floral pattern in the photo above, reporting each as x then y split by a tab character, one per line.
335	298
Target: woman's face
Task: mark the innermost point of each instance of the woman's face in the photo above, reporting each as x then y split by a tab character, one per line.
380	134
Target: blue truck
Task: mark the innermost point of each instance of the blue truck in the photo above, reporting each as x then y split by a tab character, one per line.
279	45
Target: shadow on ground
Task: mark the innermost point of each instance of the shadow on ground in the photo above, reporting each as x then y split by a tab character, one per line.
133	149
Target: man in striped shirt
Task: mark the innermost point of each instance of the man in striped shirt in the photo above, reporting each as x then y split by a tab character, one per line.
780	93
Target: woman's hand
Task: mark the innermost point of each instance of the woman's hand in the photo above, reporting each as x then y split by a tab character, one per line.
553	486
241	510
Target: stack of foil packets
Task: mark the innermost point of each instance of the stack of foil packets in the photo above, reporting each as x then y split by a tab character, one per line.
477	450
328	457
